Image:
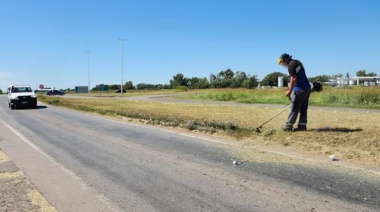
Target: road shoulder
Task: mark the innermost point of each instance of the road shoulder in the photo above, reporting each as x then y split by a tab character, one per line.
17	193
41	174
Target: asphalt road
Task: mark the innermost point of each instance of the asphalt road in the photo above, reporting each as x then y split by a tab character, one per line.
82	162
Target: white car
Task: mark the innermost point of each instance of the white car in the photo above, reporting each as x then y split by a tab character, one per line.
21	96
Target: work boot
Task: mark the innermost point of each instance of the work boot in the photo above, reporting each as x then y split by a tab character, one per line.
287	128
301	128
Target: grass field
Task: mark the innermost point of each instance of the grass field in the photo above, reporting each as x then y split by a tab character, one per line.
352	135
357	97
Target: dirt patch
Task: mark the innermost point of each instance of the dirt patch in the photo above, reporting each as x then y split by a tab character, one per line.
17	193
13	193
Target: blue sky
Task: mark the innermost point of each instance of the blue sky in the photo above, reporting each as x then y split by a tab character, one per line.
44	41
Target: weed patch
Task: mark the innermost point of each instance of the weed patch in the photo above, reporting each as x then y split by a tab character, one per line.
54	102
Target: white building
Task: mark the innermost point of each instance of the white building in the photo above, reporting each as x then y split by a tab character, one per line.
366	81
375	80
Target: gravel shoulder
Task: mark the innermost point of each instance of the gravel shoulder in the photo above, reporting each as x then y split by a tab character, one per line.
17	193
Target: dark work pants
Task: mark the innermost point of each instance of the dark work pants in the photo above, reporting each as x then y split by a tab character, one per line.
300	104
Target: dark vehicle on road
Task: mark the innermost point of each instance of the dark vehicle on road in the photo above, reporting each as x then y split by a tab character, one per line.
55	92
119	91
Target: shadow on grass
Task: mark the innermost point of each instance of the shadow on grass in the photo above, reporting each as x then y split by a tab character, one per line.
337	129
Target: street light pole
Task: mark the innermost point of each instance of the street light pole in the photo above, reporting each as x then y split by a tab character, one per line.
122	65
88	69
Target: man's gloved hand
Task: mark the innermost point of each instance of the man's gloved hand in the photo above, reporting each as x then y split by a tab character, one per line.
317	86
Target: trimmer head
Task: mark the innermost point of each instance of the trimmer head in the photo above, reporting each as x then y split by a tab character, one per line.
257	130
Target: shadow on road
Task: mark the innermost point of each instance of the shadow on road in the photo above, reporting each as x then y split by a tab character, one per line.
41	107
27	108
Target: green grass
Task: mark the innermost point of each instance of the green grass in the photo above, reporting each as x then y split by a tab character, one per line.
358	97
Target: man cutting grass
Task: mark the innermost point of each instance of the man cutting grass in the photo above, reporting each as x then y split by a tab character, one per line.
298	92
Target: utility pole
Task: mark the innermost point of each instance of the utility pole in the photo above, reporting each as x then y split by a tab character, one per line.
88	69
122	65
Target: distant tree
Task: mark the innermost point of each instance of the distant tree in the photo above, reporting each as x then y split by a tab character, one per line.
179	80
238	80
251	82
204	83
193	82
336	76
95	88
362	73
1	91
272	79
128	85
320	78
166	86
198	83
161	86
227	74
223	83
212	78
100	87
229	79
143	86
114	87
223	79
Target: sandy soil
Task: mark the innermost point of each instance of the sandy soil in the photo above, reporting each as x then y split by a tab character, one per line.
17	193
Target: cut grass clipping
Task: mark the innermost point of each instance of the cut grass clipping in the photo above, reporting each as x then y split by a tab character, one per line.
352	135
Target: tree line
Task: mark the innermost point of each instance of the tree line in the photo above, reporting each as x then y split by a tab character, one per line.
225	79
